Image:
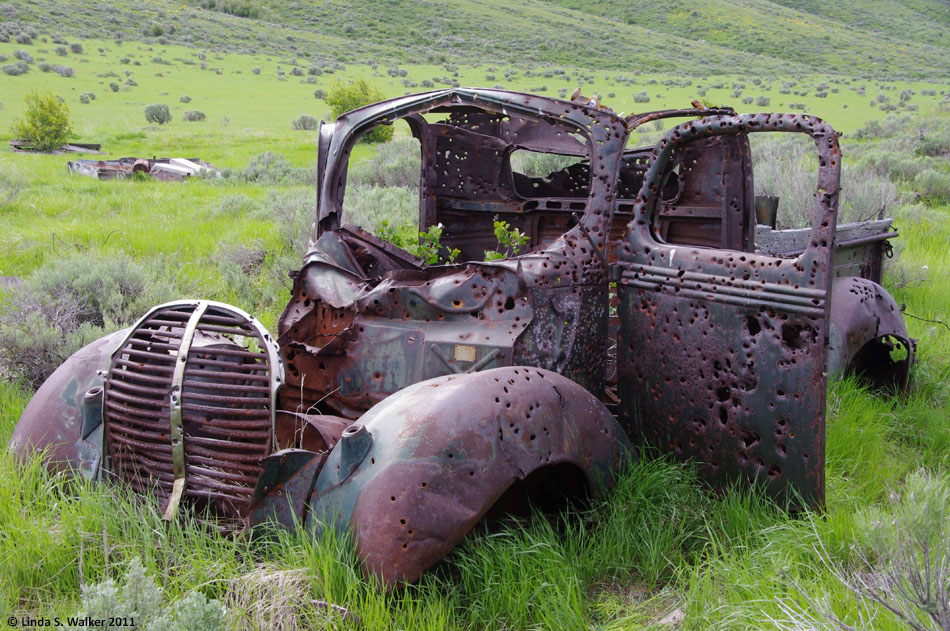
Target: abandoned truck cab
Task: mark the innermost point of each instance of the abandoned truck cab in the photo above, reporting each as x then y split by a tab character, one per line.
407	402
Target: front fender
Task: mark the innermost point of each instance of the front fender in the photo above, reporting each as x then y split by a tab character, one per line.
422	467
866	325
53	419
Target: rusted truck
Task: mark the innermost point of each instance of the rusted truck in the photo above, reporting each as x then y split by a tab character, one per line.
408	402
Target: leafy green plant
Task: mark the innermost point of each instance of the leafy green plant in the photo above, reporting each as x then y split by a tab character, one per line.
46	121
430	245
343	97
510	241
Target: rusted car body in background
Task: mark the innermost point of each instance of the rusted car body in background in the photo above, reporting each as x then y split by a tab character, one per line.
409	402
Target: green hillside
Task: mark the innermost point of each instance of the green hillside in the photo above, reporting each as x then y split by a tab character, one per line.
893	37
889	39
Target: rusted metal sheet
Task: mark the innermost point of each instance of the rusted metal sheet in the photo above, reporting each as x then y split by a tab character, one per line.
867	334
165	169
73	147
431	461
721	352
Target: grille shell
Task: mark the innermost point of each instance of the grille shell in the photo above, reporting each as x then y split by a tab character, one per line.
225	389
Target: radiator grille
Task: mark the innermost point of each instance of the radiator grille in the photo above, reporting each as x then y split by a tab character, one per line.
230	373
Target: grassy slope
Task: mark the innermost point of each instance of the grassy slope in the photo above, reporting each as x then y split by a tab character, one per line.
817	41
757	35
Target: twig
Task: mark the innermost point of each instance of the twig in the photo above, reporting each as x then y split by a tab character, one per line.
940	322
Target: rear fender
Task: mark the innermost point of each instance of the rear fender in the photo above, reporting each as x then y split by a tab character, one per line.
866	333
422	467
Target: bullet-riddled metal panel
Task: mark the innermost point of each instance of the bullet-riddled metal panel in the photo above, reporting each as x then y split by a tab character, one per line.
721	353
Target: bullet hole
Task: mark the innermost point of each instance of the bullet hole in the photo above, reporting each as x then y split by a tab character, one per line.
753	325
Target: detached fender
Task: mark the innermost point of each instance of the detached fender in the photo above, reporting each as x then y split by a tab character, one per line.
866	333
59	420
422	467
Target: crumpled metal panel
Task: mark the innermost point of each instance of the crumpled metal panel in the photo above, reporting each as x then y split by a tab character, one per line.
721	353
430	461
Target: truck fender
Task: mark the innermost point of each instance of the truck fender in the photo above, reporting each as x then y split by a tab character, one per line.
868	335
419	470
64	417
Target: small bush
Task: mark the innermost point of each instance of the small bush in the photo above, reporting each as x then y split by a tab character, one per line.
158	113
185	98
641	97
932	185
62	51
86	97
305	122
396	163
140	598
66	304
763	101
256	70
273	168
76	47
64	71
320	94
345	97
46	122
114	86
23	56
45	67
16	69
194	116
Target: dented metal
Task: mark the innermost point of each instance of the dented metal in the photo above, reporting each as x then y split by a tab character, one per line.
407	403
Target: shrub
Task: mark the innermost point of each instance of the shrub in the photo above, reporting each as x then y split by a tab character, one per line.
76	47
158	113
45	67
185	98
641	97
194	116
273	168
763	101
396	163
320	94
87	97
114	86
46	121
62	51
305	122
65	71
932	185
345	97
67	304
140	598
16	69
256	70
23	56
